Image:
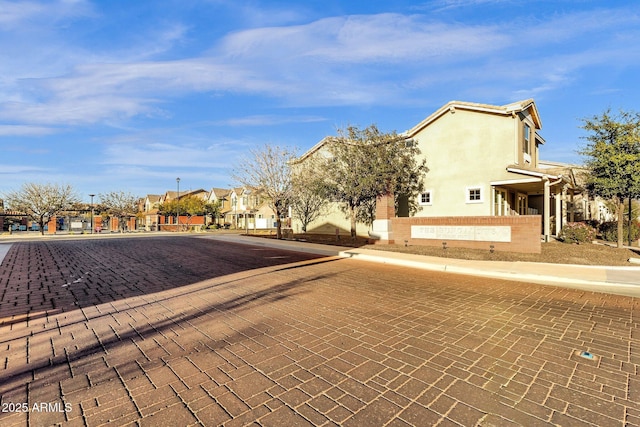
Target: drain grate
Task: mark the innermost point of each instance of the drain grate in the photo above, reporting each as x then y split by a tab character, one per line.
587	355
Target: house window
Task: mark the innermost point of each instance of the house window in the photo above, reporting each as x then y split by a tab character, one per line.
425	198
474	195
527	139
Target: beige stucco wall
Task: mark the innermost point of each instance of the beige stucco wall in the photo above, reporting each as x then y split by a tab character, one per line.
332	218
466	149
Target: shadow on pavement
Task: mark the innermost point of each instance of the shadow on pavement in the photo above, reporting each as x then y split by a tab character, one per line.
43	367
46	277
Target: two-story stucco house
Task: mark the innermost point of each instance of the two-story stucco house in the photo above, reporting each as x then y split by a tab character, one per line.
483	161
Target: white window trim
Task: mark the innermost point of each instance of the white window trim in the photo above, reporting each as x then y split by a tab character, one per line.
430	203
474	187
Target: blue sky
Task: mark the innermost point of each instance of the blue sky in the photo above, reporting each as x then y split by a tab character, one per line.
116	95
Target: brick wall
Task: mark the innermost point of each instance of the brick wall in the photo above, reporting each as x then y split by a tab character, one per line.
525	232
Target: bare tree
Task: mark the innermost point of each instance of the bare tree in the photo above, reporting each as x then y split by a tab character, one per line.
309	199
267	171
121	205
41	201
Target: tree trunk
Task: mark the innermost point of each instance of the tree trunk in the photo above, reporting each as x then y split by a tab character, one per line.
352	211
278	225
41	224
630	220
621	223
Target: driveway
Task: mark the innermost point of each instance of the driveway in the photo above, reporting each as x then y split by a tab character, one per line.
183	331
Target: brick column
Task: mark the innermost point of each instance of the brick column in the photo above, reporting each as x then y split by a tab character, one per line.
97	223
385	211
51	225
386	207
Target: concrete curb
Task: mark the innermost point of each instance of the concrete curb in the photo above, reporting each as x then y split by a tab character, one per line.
4	249
516	273
496	274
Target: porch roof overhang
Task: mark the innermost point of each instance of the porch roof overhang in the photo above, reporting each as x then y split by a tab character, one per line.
533	173
531	181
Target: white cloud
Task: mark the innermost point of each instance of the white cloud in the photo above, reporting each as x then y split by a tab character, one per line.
363	39
352	60
268	120
25	130
14	14
21	169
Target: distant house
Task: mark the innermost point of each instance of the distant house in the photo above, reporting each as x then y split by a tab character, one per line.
153	218
579	205
248	210
222	196
483	161
149	207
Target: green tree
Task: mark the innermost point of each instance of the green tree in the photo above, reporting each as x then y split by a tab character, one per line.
364	164
120	204
267	171
213	209
191	206
41	201
612	156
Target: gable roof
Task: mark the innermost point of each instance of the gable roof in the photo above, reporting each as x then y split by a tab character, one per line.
220	192
505	110
313	149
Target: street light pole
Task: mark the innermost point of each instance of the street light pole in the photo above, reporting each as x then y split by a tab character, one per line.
91	195
178	206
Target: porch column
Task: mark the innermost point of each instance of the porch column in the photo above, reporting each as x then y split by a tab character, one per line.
572	208
559	212
546	219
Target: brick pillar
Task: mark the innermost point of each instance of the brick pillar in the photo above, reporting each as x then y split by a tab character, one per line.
51	225
385	211
386	207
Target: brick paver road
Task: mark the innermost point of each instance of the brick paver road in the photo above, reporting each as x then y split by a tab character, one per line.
186	331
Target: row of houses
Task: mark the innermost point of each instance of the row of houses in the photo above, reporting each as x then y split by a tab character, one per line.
483	161
242	208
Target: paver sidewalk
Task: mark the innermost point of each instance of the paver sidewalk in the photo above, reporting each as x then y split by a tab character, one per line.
198	332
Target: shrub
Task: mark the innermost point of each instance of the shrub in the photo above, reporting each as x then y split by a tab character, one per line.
609	231
577	232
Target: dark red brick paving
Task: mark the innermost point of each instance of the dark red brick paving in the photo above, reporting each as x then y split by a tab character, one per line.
185	331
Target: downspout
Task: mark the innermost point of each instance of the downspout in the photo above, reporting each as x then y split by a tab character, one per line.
546	209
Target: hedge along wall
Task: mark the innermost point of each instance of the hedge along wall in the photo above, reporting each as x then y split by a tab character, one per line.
506	233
